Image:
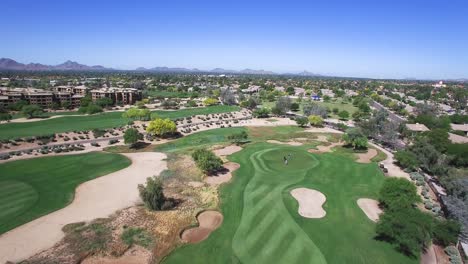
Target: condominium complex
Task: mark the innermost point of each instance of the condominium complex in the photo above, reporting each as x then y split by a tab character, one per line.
63	95
118	95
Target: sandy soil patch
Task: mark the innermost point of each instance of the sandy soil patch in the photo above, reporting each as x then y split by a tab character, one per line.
291	143
310	202
138	255
370	207
323	130
429	256
325	149
208	222
366	157
195	184
222	176
226	151
119	190
322	138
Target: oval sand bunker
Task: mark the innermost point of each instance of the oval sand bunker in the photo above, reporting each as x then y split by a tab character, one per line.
310	202
208	222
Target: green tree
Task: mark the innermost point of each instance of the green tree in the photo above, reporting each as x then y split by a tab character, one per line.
355	138
210	101
407	159
31	111
344	115
302	121
315	120
104	102
5	117
207	161
131	136
161	127
152	193
439	138
408	229
261	112
446	232
398	193
294	107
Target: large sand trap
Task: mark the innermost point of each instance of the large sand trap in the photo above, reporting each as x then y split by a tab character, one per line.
370	207
291	143
222	176
310	202
325	149
226	151
208	222
366	157
93	199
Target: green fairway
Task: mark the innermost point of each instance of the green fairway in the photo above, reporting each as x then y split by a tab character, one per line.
89	122
261	222
35	187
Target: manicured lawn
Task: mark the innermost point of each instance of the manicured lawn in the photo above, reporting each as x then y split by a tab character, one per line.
200	139
261	222
35	187
89	122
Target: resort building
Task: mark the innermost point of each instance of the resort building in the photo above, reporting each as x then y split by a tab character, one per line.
118	95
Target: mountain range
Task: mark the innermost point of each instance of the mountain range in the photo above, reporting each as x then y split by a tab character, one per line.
12	65
9	64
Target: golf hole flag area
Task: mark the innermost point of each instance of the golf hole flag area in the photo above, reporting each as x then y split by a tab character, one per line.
262	223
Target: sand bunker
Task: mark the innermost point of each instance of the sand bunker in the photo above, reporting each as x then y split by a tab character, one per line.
97	198
208	222
325	149
366	157
222	176
291	143
310	202
226	151
370	207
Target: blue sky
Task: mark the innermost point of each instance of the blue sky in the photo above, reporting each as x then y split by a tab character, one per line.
379	38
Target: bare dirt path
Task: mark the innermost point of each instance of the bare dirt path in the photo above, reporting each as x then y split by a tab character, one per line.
93	199
393	170
310	202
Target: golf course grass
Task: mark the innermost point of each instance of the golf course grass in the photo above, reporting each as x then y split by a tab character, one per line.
35	187
261	220
89	122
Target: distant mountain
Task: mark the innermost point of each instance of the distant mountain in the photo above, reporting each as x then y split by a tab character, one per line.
259	72
309	74
9	64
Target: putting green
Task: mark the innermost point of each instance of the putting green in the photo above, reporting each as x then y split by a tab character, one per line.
261	220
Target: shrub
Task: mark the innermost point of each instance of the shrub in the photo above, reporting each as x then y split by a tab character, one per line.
239	138
407	159
137	236
152	193
446	232
261	112
398	193
207	161
315	120
302	121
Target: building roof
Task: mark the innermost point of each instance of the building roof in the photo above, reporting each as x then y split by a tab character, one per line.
417	127
454	138
462	127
